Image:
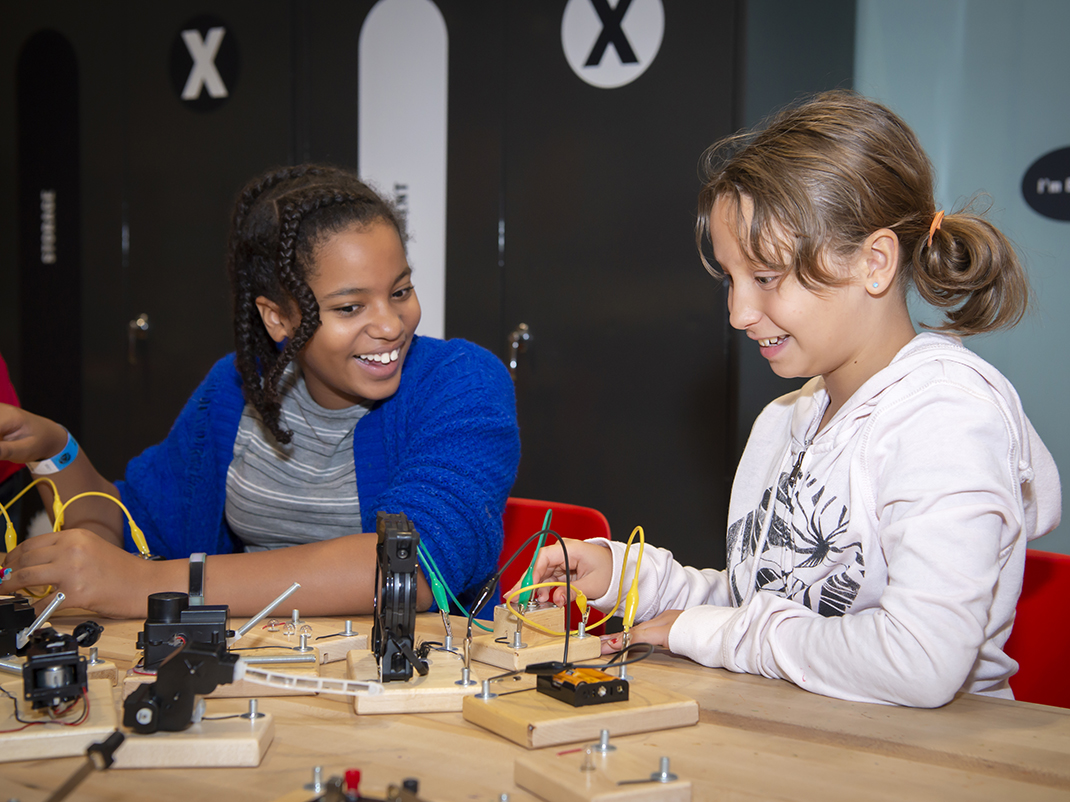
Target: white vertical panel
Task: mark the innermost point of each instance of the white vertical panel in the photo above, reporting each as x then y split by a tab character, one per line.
402	134
982	82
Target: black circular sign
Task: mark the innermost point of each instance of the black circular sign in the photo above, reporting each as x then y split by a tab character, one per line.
1046	185
204	63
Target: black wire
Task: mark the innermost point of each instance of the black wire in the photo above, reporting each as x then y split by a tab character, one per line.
613	659
492	583
15	703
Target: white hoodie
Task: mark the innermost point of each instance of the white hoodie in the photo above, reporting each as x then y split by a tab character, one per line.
890	568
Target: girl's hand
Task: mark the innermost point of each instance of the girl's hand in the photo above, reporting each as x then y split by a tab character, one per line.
655	632
591	566
92	573
25	437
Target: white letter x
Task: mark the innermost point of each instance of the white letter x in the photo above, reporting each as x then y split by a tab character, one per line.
204	72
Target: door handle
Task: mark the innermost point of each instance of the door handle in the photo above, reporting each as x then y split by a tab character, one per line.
137	331
518	344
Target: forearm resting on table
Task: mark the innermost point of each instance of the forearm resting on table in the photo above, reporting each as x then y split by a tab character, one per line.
336	577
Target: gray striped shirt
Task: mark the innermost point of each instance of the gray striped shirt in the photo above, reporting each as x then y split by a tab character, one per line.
281	495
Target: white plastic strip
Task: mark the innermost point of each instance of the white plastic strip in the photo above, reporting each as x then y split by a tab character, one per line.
304	683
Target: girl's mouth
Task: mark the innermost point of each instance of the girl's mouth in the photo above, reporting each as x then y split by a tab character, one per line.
385	358
769	343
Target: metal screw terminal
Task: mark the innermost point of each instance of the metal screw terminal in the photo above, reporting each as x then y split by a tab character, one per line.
663	775
603	744
253	713
317	780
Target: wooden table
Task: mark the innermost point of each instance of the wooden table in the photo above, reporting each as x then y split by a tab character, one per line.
756	739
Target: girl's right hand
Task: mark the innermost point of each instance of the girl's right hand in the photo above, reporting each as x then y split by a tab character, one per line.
25	437
590	566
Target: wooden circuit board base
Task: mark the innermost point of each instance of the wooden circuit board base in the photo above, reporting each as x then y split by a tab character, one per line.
329	643
230	742
437	692
55	740
103	669
496	648
576	775
486	649
534	720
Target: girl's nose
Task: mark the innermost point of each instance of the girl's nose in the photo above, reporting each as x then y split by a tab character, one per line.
742	314
385	322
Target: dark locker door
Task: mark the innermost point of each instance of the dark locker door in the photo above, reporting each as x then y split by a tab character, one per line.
623	386
185	160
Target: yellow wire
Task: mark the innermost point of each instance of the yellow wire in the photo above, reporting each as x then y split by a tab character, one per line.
10	538
630	605
135	533
58	508
581	600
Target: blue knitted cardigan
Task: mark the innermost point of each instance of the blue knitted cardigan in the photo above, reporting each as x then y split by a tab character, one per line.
443	449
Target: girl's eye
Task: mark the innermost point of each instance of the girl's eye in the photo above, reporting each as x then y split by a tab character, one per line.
765	281
348	309
403	293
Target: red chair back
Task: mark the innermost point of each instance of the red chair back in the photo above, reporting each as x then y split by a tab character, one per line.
1040	640
524	516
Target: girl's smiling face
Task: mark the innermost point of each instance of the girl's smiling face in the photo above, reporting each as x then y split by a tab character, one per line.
803	333
368	314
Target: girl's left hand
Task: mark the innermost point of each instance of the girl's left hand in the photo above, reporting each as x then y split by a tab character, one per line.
92	573
655	632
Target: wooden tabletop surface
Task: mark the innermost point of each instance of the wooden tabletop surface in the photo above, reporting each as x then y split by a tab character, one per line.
756	739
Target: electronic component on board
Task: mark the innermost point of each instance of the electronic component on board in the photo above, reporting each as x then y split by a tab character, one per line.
54	672
16	615
580	687
172	621
393	634
191	670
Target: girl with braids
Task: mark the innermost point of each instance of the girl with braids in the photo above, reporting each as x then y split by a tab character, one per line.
879	516
331	410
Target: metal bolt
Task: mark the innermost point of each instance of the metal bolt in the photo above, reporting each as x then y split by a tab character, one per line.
93	658
466	678
252	715
663	775
485	693
296	618
304	647
603	744
349	627
517	643
317	780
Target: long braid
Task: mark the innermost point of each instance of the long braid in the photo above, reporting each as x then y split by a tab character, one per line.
254	348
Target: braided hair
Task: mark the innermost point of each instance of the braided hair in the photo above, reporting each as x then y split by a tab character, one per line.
280	218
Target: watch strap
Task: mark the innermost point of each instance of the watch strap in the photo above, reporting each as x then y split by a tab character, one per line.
196	578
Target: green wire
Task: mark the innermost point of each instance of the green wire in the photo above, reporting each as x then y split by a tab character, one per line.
435	577
526	595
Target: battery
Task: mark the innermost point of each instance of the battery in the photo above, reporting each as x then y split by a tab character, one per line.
580	687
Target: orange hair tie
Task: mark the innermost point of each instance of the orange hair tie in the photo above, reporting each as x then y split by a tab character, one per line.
938	218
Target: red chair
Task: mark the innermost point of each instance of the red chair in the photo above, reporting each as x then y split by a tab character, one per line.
1040	640
524	516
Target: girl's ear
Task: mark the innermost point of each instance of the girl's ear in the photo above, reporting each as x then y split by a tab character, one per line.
275	320
879	261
